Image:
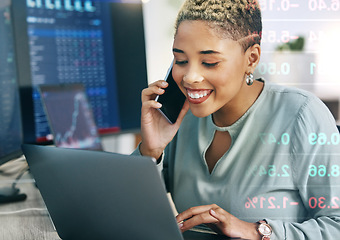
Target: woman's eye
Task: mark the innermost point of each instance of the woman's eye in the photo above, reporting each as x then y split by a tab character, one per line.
181	62
210	64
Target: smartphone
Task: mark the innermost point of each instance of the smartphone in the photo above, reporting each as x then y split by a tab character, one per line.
172	99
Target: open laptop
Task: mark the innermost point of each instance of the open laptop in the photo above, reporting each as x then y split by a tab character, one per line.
100	195
70	116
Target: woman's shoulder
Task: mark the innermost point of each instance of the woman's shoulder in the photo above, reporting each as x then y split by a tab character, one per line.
292	96
289	91
305	106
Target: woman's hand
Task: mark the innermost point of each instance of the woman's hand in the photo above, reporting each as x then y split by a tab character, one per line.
156	131
218	220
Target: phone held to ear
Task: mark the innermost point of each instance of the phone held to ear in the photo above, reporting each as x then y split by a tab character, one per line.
172	99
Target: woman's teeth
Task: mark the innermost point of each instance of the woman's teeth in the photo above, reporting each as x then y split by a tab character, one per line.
197	95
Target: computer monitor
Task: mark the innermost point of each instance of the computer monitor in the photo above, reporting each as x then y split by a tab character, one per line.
98	43
10	117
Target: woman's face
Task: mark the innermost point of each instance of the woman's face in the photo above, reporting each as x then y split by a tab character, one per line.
209	70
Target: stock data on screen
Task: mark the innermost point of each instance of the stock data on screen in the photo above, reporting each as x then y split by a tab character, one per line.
71	42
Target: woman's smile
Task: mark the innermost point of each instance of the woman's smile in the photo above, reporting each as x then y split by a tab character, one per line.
197	96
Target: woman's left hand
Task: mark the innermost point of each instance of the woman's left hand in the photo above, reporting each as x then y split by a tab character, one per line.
218	220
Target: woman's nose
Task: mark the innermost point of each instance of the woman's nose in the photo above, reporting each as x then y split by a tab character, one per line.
193	76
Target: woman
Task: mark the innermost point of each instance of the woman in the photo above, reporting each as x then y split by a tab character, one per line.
249	159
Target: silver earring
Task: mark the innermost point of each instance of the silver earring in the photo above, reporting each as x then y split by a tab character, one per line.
250	79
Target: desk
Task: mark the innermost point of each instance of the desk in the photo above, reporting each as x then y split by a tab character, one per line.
33	224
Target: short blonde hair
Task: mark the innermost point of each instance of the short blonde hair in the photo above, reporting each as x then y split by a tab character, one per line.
239	20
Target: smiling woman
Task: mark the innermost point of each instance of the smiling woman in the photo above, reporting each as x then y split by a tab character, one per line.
205	63
239	159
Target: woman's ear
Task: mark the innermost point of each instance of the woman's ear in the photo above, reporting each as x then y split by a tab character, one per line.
253	54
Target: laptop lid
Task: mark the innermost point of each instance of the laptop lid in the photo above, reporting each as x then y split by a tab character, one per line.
70	116
100	195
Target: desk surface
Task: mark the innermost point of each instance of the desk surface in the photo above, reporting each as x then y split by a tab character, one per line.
27	219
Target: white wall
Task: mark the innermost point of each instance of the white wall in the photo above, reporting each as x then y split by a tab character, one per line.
121	143
159	20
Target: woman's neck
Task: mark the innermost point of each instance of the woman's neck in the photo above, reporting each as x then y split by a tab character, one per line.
230	113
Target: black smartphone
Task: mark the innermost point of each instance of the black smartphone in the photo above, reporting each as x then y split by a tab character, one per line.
172	99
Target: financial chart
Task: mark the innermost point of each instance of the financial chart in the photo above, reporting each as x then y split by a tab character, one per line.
71	42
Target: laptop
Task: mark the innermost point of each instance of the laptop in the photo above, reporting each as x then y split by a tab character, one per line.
70	116
101	195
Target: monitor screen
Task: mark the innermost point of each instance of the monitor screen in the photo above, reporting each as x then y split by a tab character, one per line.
70	116
10	119
76	41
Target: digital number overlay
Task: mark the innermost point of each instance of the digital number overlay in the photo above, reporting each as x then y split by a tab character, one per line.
270	170
313	138
285	202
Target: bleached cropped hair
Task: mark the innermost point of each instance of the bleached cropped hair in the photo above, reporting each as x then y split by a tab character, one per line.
239	20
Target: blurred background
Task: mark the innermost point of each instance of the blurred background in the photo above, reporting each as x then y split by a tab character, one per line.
299	43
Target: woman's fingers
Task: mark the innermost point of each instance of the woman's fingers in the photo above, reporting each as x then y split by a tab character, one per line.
195	216
192	212
202	218
219	214
153	90
148	98
152	104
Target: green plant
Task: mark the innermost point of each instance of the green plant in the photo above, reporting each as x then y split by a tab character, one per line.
296	45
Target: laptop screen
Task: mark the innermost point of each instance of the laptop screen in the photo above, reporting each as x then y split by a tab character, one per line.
70	116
